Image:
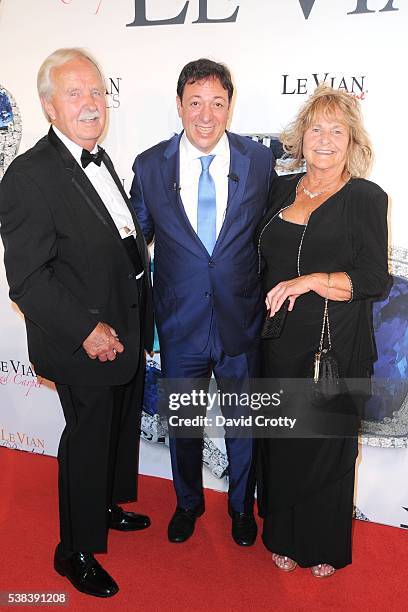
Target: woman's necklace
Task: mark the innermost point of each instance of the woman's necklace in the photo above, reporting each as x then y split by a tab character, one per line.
314	194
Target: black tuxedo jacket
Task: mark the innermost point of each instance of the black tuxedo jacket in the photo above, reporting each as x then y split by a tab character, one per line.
68	268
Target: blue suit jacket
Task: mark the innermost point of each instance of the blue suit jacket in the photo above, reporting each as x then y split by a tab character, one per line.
188	282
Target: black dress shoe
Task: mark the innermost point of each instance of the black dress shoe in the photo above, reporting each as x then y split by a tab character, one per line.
127	521
85	573
182	523
244	528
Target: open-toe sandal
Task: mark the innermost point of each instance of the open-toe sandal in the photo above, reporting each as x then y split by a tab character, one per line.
323	570
286	564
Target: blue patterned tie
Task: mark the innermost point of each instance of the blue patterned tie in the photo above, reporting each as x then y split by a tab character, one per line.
207	207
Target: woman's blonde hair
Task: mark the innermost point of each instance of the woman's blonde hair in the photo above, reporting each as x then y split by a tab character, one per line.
328	101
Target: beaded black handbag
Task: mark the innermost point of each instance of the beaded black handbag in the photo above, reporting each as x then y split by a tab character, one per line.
325	369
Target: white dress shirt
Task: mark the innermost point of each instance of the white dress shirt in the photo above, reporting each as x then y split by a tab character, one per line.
105	187
190	170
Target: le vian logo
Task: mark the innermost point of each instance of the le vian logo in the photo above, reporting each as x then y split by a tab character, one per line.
354	85
141	10
21	440
141	19
14	372
113	92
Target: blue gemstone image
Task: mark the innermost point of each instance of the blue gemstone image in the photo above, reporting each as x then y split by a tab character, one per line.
6	112
390	382
152	390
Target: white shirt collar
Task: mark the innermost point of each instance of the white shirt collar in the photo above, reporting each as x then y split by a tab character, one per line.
191	152
73	147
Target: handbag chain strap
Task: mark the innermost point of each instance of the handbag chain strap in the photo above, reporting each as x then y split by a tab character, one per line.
326	322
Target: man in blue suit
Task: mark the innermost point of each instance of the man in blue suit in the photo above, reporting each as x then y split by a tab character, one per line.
200	195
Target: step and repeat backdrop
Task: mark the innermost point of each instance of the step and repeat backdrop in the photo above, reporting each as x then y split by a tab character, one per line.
278	51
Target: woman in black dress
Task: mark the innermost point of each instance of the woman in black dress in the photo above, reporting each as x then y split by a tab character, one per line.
324	237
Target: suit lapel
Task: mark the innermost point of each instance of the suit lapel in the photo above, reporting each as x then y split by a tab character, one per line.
238	175
170	171
237	178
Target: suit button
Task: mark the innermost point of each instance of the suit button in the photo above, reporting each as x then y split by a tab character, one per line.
133	305
130	276
207	294
211	264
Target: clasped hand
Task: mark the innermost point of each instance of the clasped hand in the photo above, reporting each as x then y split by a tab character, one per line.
103	343
289	289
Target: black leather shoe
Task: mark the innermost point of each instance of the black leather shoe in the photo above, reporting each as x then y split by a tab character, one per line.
182	523
85	573
244	528
127	521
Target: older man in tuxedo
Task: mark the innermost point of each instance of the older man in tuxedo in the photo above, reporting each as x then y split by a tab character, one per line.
77	266
200	195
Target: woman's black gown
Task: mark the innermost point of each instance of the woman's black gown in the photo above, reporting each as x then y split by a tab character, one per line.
306	484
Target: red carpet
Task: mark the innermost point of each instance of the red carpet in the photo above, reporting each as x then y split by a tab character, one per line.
209	572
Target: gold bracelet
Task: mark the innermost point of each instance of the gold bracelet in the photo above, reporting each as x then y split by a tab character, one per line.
328	284
351	288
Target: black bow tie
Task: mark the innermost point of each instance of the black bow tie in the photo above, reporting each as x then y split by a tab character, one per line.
87	157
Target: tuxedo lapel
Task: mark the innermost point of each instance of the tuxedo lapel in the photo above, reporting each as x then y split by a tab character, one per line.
89	195
88	192
111	169
82	184
139	234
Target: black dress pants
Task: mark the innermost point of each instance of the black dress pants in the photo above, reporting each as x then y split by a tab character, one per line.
98	458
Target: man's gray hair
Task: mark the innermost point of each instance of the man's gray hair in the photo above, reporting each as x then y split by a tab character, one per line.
58	58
